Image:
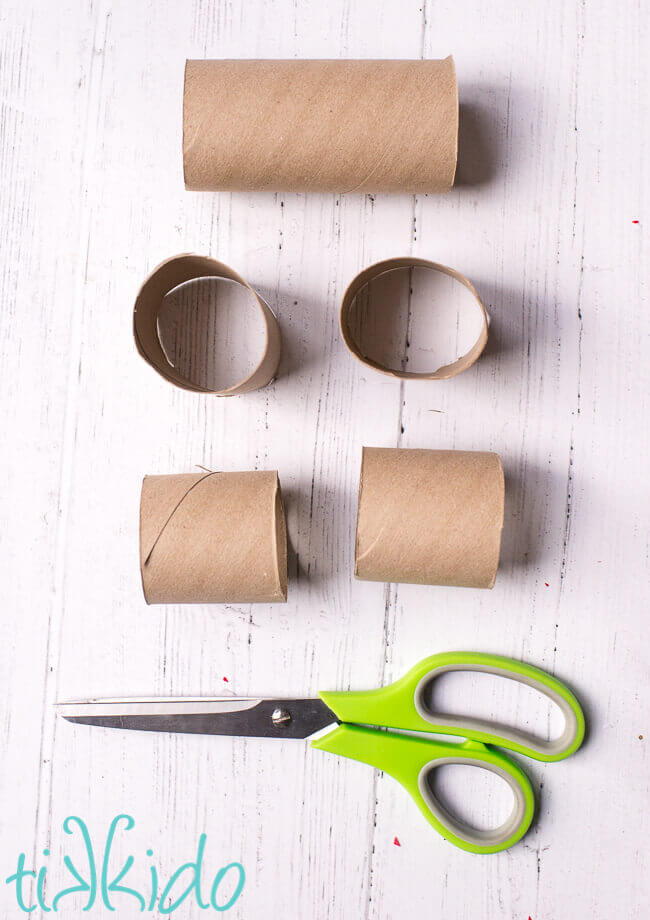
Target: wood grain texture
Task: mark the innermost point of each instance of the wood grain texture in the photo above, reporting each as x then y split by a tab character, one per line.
553	172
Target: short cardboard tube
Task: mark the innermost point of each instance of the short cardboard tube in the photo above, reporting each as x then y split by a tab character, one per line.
431	517
213	538
169	275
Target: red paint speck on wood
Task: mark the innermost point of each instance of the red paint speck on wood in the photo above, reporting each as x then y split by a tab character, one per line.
547	584
225	680
635	222
396	842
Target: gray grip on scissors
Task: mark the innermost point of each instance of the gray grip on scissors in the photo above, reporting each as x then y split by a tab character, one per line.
476	726
479	838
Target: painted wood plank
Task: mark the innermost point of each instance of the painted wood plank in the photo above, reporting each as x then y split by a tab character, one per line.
554	145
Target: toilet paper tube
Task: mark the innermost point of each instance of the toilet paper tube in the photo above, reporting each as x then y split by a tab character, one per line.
163	279
366	277
431	517
331	126
213	538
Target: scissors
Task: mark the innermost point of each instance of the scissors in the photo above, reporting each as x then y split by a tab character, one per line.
342	720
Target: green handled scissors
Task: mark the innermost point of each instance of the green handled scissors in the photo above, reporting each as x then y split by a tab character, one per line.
410	759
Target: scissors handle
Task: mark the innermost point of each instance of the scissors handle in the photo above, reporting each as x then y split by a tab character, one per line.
412	760
403	705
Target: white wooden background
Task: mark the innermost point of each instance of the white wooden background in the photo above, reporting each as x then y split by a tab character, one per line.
553	176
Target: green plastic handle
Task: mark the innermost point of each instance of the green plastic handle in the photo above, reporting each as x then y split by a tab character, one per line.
411	760
402	705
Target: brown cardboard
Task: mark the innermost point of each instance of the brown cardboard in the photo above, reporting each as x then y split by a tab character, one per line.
347	319
163	279
331	126
429	517
213	538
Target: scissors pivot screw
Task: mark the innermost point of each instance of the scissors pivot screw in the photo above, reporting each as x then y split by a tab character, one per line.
280	716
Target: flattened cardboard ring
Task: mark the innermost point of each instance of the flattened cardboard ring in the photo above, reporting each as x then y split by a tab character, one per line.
374	271
169	275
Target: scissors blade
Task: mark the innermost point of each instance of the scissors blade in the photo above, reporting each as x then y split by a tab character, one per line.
244	716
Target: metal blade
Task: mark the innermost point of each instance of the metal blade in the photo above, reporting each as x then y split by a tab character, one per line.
252	718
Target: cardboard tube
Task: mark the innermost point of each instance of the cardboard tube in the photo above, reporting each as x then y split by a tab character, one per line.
429	517
330	126
368	275
213	538
163	279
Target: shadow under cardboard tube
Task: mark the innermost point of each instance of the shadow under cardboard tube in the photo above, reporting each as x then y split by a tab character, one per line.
477	147
529	503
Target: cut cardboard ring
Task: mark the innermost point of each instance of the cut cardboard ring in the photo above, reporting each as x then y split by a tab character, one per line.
169	275
379	268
